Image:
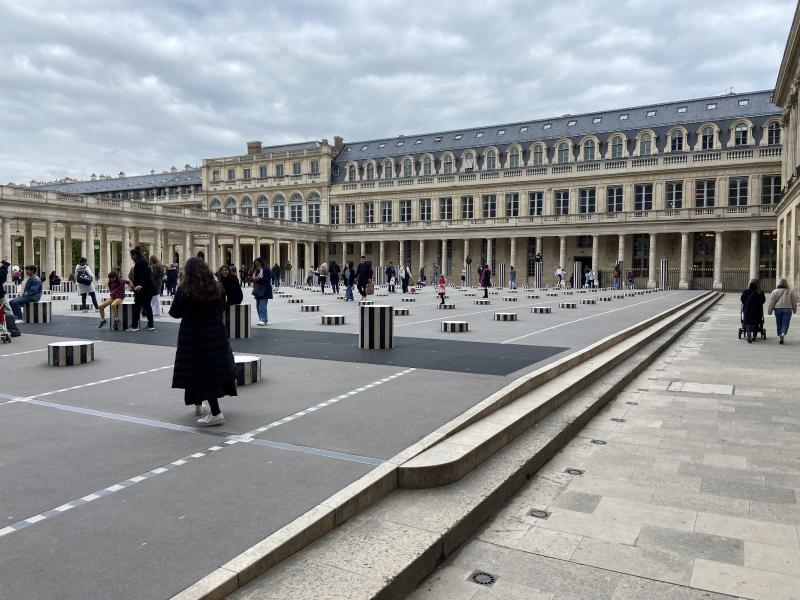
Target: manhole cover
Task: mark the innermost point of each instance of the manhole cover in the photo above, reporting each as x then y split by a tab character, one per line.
599	442
574	471
633	403
538	513
482	578
617	420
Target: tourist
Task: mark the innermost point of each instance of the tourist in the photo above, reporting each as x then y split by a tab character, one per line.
143	290
391	277
435	272
334	272
53	279
276	275
4	264
231	289
31	293
310	276
630	280
422	280
204	366
349	278
617	275
538	257
441	289
8	314
158	281
242	275
560	276
322	276
85	280
753	300
262	290
486	280
405	276
172	279
512	278
116	290
363	277
592	279
783	302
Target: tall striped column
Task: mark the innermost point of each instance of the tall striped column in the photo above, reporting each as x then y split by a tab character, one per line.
377	327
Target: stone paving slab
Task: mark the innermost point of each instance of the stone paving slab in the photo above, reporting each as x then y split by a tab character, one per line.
694	495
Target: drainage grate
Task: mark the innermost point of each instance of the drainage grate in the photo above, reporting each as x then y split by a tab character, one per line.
633	403
572	471
617	420
599	442
482	578
538	513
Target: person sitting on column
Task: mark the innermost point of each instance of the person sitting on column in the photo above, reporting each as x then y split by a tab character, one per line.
204	364
158	279
363	277
405	276
592	279
391	277
116	290
538	257
85	280
512	278
333	272
310	276
262	290
441	289
322	274
31	293
587	278
422	276
231	289
486	280
53	279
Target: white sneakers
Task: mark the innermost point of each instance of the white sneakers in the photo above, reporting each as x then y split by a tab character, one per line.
211	420
202	409
261	323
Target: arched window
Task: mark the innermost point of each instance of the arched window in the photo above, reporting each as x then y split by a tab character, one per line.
469	161
563	152
676	141
740	135
513	157
427	167
296	207
774	133
538	155
230	206
278	206
408	170
447	165
388	170
215	204
262	206
351	173
491	160
616	146
247	206
707	138
370	171
646	145
588	150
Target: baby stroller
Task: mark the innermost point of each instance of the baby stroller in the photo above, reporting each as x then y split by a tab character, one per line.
4	334
756	330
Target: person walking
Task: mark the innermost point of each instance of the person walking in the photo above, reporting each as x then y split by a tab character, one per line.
310	277
486	280
405	276
276	275
512	278
204	366
782	302
753	300
172	279
158	281
116	290
262	290
143	289
363	277
349	278
242	276
560	276
85	280
231	288
391	277
323	276
441	289
334	272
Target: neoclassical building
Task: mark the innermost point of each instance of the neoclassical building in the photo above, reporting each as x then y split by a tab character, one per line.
695	182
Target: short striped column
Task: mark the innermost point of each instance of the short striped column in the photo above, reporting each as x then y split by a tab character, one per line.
237	321
55	297
541	310
125	316
567	305
408	299
455	326
295	300
333	319
470	294
78	307
604	298
70	354
377	327
551	294
39	312
401	312
248	369
588	301
366	302
532	296
505	316
445	306
309	308
483	301
567	293
166	301
510	298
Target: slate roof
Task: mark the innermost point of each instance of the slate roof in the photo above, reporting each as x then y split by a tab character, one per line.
291	147
728	107
122	184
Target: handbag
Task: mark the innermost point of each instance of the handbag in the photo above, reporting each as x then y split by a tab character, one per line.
84	278
370	288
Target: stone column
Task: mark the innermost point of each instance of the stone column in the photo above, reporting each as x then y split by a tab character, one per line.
595	253
651	265
621	248
364	249
717	285
539	244
158	244
402	252
344	254
683	283
443	266
50	263
236	253
512	254
6	249
135	237
213	252
68	266
290	277
105	259
562	252
489	254
88	250
28	242
422	254
754	251
276	251
127	264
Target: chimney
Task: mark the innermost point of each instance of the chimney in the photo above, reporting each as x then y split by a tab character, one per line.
187	167
121	174
93	177
173	169
338	142
152	171
253	148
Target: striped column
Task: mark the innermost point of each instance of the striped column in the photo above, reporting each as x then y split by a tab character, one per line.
377	327
69	354
663	280
38	312
248	369
237	321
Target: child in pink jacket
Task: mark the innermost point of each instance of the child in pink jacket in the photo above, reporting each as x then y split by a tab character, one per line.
441	290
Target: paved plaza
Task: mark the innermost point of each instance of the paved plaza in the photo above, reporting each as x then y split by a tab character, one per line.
688	488
107	482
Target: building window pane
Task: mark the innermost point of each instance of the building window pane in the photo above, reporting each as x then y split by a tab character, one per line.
369	212
489	202
448	165
535	204
370	171
425	209
350	213
616	147
467	207
351	173
512	205
538	156
674	193
427	167
386	211
215	175
315	167
335	214
297	168
563	152
491	160
297	212
231	174
704	193
279	171
614	198
407	169
770	189
313	213
588	150
646	145
774	133
262	171
262	205
737	191
676	141
445	209
562	202
643	196
587	201
513	158
740	135
707	139
405	210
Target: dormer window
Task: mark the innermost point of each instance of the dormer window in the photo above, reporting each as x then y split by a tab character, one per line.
623	117
479	134
501	132
571	123
459	136
418	142
597	119
682	109
364	148
711	106
523	129
650	113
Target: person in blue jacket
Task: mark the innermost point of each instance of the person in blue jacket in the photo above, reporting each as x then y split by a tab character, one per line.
31	293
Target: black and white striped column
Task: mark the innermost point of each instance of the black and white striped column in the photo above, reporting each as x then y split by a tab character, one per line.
588	301
38	312
504	316
567	305
377	327
333	319
237	320
537	275
445	306
482	301
541	310
401	312
248	369
309	308
70	354
663	275
455	326
55	297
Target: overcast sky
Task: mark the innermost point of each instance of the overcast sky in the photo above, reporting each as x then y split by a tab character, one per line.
107	86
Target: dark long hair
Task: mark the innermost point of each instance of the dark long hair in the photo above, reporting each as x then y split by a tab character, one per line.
197	281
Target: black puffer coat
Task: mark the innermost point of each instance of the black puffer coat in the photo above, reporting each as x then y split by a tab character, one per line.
204	358
232	289
752	307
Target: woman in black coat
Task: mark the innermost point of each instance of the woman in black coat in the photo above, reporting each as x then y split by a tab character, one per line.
231	290
204	365
753	300
486	280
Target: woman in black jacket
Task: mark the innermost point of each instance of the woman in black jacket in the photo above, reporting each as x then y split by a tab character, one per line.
753	300
204	365
231	290
144	289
